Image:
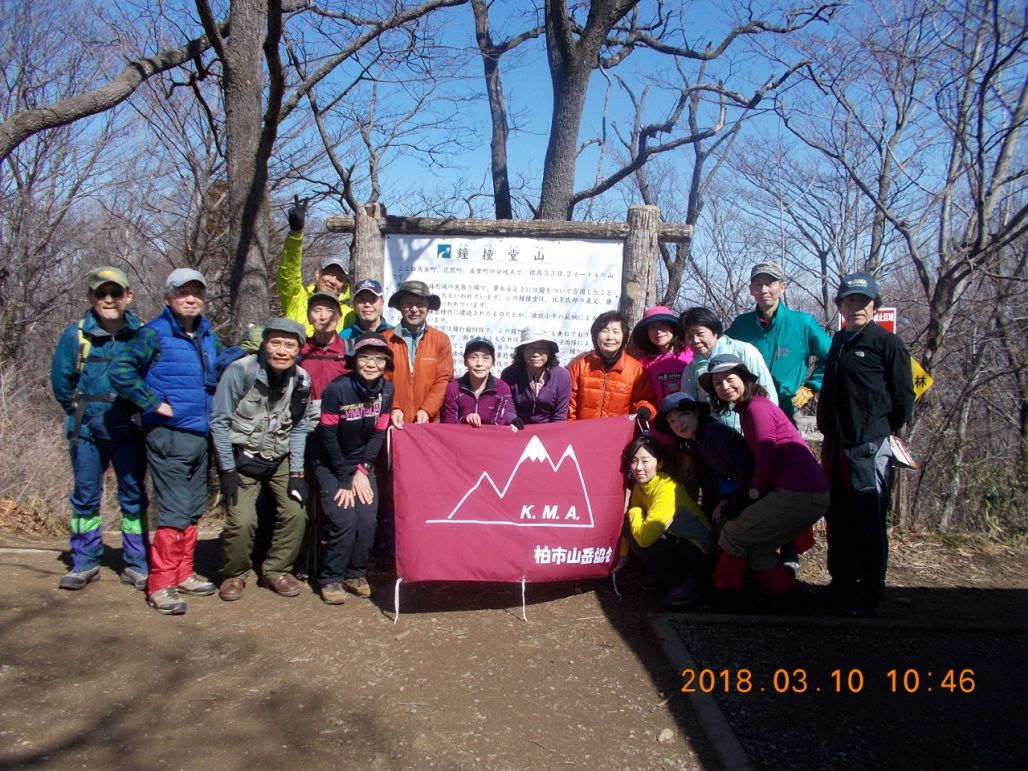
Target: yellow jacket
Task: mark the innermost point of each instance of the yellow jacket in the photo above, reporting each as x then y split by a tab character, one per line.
294	295
662	504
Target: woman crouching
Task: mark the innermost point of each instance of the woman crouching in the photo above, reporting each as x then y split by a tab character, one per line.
789	492
665	528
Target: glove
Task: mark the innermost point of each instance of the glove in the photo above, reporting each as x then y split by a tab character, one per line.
299	489
517	424
230	487
801	397
644	414
297	213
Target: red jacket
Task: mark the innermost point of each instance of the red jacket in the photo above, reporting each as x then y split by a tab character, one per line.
597	392
424	388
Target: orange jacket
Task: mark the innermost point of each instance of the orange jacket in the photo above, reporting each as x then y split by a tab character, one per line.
597	392
433	370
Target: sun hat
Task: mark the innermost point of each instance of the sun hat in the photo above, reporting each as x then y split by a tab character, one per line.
723	362
418	288
286	327
651	316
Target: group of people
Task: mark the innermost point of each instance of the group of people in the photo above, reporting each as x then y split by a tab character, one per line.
721	482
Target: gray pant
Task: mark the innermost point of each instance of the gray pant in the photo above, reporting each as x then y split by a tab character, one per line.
769	523
178	469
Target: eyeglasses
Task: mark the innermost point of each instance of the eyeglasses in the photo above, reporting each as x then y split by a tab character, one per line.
282	345
115	294
377	358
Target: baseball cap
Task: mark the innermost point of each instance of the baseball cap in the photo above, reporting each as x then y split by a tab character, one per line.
769	268
477	343
106	275
182	276
339	262
329	297
368	285
857	283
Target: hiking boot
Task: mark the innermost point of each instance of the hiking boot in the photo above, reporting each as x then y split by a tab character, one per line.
333	594
198	586
232	589
77	579
134	578
167	601
683	595
794	566
652	584
358	586
284	584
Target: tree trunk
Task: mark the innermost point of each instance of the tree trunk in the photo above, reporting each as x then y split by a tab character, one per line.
256	28
571	64
497	112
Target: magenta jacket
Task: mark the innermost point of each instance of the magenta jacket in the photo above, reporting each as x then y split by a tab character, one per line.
495	405
783	460
665	372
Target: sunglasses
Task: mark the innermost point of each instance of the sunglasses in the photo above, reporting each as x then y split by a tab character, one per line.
115	294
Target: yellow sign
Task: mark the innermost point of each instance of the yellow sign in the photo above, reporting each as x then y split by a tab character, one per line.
922	380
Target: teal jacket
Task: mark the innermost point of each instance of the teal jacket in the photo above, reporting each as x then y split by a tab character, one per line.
786	346
84	391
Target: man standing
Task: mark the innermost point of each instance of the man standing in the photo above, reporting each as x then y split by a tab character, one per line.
323	355
367	303
262	416
168	372
423	356
786	339
330	275
868	394
102	430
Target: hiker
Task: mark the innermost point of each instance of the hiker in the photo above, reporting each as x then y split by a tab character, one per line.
368	302
703	332
422	355
786	339
607	381
665	528
355	413
867	395
539	386
330	276
477	397
262	416
168	372
102	430
663	354
323	355
721	461
788	493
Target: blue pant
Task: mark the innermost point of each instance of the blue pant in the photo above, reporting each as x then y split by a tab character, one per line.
89	460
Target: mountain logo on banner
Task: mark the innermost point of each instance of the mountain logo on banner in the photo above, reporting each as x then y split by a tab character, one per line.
538	493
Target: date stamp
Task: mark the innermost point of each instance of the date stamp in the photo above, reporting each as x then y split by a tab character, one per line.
799	680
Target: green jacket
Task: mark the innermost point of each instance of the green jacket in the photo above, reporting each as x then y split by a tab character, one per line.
294	295
786	347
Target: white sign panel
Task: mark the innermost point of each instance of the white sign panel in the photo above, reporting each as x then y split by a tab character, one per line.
496	286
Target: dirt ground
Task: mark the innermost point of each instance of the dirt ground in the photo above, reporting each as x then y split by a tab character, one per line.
95	678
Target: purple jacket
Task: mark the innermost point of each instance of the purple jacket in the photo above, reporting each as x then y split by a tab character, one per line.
550	406
494	405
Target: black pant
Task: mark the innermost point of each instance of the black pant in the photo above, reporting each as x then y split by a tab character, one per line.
671	560
860	480
348	532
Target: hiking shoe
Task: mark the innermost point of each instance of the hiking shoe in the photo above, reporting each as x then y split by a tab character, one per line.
333	594
77	579
794	566
232	589
284	584
198	586
683	595
167	601
134	578
652	584
358	586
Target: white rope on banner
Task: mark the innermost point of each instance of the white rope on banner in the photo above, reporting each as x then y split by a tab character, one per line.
524	616
396	600
389	447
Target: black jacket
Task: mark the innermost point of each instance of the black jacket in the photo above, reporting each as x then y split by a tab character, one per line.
868	390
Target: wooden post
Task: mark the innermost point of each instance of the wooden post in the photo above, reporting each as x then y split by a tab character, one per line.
367	256
639	268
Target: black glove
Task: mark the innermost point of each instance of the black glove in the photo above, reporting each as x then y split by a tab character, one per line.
299	489
230	487
644	414
518	423
297	213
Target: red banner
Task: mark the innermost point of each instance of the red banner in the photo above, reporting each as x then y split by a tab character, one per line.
492	504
